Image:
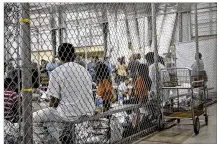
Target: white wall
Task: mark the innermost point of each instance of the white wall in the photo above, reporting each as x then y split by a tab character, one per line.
186	56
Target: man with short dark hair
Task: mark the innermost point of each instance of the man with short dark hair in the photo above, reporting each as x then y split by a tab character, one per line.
200	61
133	67
70	90
198	72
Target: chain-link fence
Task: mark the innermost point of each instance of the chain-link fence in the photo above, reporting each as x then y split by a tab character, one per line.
85	72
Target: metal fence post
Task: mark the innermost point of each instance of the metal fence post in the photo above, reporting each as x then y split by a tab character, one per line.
154	37
137	29
196	37
26	75
105	32
53	30
60	21
18	66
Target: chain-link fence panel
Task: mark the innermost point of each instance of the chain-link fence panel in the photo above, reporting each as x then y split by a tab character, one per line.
90	72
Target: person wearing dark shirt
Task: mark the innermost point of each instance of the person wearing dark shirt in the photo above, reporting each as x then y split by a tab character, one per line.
133	67
143	84
104	85
35	76
109	64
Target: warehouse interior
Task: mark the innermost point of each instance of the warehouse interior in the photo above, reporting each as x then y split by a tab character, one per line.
115	30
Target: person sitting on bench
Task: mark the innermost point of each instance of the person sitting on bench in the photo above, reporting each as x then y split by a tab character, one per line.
198	71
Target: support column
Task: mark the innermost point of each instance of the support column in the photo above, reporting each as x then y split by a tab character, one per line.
61	28
26	75
154	37
196	38
105	31
53	30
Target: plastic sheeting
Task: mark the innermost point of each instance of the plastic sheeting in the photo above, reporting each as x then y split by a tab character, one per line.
11	132
186	56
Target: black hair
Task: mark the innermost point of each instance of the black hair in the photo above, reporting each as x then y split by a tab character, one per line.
150	58
138	56
5	66
200	55
96	58
66	52
123	60
102	72
144	73
160	59
9	84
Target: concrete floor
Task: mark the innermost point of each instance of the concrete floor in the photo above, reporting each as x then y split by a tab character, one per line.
184	134
208	134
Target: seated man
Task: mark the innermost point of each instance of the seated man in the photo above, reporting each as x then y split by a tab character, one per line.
198	71
200	65
70	91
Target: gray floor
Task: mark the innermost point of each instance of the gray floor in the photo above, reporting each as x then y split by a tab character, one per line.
208	134
184	133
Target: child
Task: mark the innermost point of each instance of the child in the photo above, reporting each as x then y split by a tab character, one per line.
142	84
11	107
104	85
125	88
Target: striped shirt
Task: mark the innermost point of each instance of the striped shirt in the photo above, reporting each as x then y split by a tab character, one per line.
10	105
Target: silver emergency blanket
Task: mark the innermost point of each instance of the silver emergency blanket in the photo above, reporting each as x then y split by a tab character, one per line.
47	132
92	132
185	101
116	124
100	131
11	132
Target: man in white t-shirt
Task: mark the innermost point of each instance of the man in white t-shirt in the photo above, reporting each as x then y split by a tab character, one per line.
152	74
70	90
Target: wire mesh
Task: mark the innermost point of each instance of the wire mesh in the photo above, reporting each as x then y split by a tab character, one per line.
87	73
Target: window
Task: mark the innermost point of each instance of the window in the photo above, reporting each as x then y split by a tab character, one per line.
185	32
207	20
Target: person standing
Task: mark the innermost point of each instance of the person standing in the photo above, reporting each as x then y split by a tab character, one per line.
152	73
143	84
133	67
138	57
109	64
104	85
80	61
121	70
35	75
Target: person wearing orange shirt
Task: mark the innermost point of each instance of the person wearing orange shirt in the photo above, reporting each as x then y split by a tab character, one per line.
104	85
142	84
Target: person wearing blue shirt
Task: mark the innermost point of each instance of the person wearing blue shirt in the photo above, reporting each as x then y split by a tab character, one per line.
51	66
90	67
109	65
